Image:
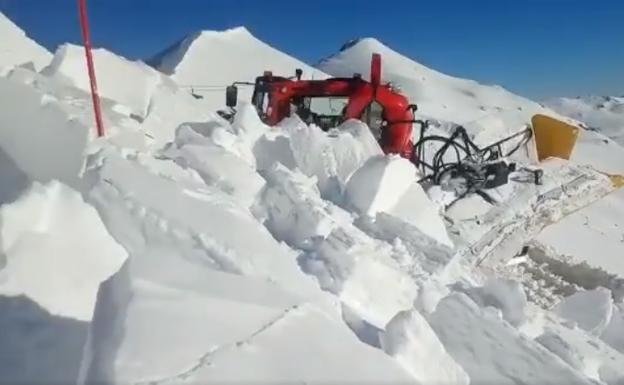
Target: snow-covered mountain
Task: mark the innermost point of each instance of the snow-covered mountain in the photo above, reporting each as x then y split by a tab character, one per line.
209	61
438	96
601	113
16	48
184	247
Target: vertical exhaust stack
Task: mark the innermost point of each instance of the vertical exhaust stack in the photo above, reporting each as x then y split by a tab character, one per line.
375	74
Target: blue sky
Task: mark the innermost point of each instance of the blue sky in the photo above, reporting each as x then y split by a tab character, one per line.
538	48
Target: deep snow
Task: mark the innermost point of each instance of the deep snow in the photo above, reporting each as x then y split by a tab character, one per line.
240	252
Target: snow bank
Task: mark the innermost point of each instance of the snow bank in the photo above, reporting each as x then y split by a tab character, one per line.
38	134
128	83
591	309
17	49
411	341
57	250
241	307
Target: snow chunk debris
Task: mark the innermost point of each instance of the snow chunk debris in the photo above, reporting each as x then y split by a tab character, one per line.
590	309
411	341
506	295
57	250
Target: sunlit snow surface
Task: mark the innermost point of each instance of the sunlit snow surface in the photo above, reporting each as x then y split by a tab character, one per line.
185	248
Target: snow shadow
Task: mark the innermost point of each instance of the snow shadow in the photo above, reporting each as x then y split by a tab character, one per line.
13	181
36	346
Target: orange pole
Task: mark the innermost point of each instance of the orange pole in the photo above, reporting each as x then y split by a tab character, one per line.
86	37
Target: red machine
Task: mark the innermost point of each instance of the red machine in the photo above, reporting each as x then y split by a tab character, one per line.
329	102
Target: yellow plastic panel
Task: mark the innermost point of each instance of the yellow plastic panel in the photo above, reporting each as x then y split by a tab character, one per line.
553	138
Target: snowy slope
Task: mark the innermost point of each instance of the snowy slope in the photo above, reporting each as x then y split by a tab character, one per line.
438	96
604	114
16	48
211	60
271	254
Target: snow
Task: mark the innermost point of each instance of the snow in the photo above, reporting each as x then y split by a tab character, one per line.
489	110
591	310
409	338
183	247
491	351
604	114
577	235
35	232
17	49
206	62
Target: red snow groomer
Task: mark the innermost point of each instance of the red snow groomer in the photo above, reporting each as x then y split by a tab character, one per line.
329	102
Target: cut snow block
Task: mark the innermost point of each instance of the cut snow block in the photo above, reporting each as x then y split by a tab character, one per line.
411	341
590	309
614	332
506	295
387	184
346	262
222	169
41	138
129	83
57	250
379	184
331	156
16	48
493	352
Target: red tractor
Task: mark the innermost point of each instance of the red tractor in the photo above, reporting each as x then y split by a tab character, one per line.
329	102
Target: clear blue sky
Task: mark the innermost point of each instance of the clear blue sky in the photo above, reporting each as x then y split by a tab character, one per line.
538	48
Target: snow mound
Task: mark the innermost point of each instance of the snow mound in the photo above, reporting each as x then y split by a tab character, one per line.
211	60
56	250
439	96
16	48
591	309
409	338
505	295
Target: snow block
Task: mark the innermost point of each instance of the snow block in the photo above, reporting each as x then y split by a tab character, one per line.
590	309
387	184
379	184
40	137
614	332
16	48
506	295
128	83
332	156
411	341
347	262
57	250
492	351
